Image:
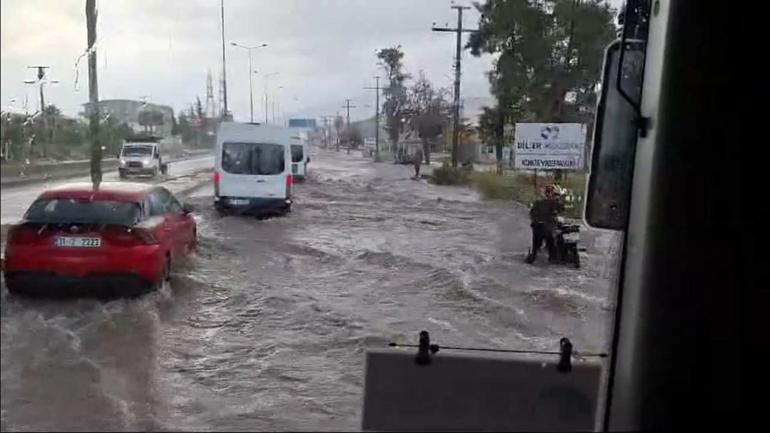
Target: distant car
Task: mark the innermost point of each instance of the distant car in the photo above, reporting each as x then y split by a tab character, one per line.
122	238
140	159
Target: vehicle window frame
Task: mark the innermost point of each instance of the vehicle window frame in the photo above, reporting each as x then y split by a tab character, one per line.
130	146
51	206
227	166
301	150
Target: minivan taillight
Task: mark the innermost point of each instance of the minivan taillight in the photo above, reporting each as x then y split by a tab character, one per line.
289	183
217	179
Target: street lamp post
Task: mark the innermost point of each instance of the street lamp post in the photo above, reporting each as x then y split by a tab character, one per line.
279	105
267	77
251	88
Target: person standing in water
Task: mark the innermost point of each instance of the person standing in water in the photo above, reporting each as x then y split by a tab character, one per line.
417	161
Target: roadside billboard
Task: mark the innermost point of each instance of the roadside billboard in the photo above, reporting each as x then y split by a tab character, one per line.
549	146
302	123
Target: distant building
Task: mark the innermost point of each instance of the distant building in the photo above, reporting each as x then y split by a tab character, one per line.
128	111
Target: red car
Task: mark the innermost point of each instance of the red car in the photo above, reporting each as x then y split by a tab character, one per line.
119	238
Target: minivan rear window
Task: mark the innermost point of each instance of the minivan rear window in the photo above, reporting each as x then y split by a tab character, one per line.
253	158
71	211
296	153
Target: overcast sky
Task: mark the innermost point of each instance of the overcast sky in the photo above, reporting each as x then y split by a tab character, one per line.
323	50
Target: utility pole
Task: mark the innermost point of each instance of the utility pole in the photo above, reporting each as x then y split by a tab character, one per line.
40	76
347	107
41	81
458	53
267	84
327	130
226	114
376	88
93	95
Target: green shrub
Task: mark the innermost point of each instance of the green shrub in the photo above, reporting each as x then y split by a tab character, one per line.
448	175
492	186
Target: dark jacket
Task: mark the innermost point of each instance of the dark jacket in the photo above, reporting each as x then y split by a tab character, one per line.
418	156
545	211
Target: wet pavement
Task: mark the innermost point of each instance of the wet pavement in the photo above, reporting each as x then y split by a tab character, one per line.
267	326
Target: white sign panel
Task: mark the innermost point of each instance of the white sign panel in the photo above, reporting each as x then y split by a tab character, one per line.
549	146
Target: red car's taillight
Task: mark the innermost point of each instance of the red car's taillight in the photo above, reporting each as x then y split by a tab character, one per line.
129	237
19	235
144	236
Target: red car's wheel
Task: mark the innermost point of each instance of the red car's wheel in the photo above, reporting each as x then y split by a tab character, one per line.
165	273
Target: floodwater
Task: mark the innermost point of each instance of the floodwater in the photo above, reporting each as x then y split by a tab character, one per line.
267	326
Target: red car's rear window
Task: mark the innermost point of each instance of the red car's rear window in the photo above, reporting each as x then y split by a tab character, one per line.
71	211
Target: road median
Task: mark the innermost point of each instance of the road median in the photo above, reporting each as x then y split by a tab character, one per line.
20	175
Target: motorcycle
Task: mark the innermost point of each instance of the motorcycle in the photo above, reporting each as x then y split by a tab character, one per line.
566	238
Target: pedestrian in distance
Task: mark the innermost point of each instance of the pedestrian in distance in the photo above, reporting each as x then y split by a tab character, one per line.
417	161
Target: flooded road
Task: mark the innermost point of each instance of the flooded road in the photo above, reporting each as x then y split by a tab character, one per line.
267	326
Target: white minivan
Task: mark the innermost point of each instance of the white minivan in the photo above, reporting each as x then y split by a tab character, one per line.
252	168
299	158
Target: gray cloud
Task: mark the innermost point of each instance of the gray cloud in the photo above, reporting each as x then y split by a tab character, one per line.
323	49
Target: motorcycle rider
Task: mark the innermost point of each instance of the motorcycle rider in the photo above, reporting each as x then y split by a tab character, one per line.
543	222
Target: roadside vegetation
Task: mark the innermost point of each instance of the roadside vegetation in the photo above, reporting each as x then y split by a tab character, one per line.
516	186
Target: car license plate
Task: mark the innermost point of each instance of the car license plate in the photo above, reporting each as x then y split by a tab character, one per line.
571	237
238	201
77	242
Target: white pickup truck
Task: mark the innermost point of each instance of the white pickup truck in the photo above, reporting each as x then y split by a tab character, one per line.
141	158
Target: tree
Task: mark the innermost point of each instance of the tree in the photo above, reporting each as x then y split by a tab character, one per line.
429	112
395	93
550	55
353	137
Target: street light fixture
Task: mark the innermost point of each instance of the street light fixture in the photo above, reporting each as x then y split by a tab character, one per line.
251	86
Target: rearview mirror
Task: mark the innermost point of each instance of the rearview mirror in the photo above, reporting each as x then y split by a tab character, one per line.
615	135
187	208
